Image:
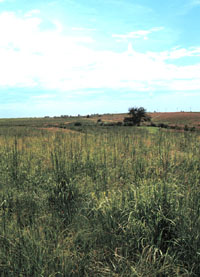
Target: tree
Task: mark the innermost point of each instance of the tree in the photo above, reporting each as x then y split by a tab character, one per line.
137	115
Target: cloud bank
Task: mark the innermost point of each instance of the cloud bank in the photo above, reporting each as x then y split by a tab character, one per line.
50	59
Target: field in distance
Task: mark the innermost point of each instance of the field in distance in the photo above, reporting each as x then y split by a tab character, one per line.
191	119
171	118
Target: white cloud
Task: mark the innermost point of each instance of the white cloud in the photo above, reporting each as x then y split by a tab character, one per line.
138	34
30	56
52	60
178	53
43	96
82	29
32	13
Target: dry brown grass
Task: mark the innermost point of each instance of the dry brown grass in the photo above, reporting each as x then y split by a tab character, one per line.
57	129
171	118
177	118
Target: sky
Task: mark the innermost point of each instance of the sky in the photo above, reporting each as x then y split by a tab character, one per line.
69	57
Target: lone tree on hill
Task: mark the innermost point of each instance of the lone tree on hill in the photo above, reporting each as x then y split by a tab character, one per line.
137	115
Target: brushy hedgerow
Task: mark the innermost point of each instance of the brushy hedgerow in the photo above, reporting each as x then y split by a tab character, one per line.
108	202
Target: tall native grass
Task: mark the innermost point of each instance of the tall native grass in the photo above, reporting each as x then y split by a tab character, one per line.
113	201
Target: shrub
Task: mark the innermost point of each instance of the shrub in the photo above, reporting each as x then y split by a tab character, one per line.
163	125
128	124
77	124
153	124
138	115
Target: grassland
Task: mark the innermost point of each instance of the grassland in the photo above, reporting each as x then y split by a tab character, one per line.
178	118
90	200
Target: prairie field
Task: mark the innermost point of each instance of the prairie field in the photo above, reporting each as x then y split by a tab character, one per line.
178	118
90	200
165	117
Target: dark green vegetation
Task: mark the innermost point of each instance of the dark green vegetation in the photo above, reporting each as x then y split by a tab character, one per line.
136	116
98	200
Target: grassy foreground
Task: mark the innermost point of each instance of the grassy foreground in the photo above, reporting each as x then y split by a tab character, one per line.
116	202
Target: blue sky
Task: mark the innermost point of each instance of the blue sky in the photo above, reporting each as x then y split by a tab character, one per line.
82	57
